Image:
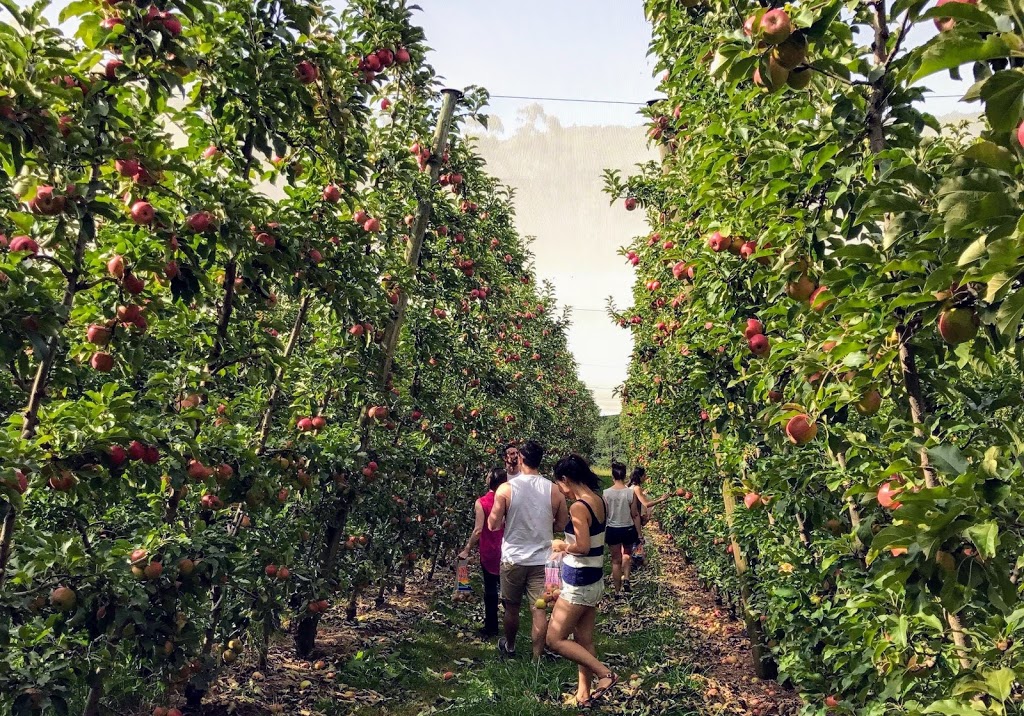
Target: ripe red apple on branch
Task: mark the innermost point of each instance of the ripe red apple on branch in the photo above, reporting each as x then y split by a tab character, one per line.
775	26
958	325
801	429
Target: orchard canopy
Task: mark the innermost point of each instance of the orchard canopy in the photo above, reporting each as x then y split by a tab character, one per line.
827	354
265	320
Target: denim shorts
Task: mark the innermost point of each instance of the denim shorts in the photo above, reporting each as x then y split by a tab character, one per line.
588	595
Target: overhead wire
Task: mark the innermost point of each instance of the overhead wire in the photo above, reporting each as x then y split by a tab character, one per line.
632	103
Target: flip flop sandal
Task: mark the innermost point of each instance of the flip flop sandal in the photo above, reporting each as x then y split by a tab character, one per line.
599	693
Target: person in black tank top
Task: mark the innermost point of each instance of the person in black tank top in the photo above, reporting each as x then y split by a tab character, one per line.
575	611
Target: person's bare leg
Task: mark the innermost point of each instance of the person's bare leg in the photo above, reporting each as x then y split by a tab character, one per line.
584	636
540	628
511	624
564	619
617	567
627	561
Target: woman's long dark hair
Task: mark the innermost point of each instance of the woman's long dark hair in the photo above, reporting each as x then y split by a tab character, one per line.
495	478
574	468
637	478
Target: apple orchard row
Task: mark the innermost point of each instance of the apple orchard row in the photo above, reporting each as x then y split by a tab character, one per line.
826	325
261	331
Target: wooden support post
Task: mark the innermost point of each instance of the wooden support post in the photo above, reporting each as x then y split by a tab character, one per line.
423	210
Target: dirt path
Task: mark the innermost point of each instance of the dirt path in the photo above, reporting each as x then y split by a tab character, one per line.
677	652
718	643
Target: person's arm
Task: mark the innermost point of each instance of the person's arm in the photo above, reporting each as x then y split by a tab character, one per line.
478	528
580	517
634	513
559	509
496	520
647	502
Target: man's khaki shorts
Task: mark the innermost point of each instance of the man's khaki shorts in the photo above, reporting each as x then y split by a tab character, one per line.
517	579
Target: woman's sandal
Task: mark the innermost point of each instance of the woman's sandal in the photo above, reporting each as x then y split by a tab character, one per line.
599	692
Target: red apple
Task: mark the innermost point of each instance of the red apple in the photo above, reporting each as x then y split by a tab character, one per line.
306	72
331	194
103	362
630	203
200	221
63	599
820	298
118	455
870	402
24	243
136	450
775	26
958	325
801	429
754	327
115	267
801	289
759	345
98	335
719	243
752	500
887	494
142	212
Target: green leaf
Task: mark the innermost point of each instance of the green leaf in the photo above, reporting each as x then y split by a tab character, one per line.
1002	93
950	707
948	459
951	50
985	537
1000	682
992	155
972	199
1010	314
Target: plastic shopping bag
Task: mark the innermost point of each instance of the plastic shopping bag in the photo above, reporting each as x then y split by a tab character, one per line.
638	556
552	579
462	587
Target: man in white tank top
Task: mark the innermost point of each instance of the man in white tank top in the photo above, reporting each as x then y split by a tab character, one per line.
531	510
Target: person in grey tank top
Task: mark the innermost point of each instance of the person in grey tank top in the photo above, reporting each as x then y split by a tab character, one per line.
624	527
530	510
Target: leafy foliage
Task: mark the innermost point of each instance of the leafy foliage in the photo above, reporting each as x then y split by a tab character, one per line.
214	422
826	323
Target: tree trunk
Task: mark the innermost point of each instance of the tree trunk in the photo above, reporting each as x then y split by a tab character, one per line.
92	702
764	665
353	602
275	389
305	632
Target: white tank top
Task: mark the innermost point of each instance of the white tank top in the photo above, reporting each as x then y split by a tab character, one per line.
618	502
529	523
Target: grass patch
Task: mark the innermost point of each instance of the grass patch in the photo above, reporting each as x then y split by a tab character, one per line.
637	638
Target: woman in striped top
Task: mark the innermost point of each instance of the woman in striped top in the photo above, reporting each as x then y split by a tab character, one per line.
582	578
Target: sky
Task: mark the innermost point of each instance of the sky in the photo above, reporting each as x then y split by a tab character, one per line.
581	49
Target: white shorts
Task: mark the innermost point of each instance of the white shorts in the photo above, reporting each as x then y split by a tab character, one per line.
587	596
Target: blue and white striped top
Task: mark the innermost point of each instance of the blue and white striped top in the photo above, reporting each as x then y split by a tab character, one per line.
583	570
